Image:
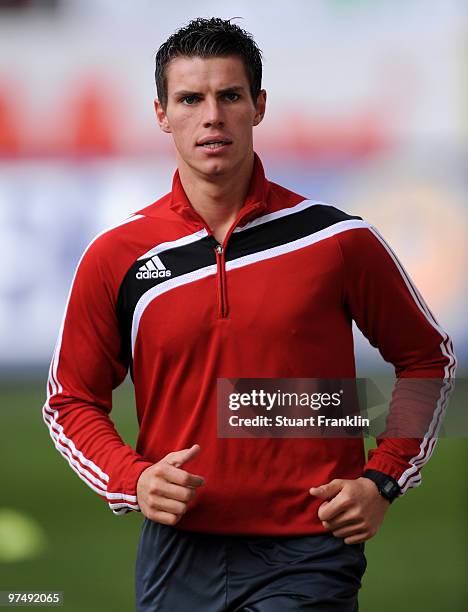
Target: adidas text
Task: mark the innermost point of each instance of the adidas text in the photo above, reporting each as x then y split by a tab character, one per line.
153	274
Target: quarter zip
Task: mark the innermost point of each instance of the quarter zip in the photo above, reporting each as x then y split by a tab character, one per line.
221	272
220	250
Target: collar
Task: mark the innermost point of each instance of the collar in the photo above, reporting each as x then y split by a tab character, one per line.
255	202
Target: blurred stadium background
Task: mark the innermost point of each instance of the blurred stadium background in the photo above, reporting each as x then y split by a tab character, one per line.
367	109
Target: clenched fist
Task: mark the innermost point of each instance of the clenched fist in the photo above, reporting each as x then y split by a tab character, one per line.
353	509
164	490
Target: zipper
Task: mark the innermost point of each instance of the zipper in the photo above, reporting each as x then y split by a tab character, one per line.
221	265
221	272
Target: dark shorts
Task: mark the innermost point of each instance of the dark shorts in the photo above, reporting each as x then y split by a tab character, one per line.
181	571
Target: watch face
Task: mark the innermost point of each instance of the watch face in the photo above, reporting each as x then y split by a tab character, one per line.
388	488
386	485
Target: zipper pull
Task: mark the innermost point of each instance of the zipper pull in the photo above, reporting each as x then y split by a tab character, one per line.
219	249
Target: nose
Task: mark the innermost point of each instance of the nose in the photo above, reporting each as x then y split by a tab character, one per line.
212	113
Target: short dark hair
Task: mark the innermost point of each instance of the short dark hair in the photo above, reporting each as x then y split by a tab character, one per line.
213	37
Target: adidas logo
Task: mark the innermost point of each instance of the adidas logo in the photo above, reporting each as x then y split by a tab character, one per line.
153	268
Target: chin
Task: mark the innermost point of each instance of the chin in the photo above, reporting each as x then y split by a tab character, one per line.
215	167
210	167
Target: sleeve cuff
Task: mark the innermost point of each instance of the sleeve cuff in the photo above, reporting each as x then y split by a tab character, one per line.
130	502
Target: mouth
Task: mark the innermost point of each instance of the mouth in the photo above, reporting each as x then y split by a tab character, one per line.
214	144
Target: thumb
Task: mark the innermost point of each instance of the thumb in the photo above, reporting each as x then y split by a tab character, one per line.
178	458
327	491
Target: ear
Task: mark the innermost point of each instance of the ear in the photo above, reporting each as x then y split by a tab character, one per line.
162	117
260	107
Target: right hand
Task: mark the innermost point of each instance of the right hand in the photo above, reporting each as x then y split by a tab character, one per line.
164	490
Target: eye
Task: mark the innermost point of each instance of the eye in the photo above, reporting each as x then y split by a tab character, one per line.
232	96
189	100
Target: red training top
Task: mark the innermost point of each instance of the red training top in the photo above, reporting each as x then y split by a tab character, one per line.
158	295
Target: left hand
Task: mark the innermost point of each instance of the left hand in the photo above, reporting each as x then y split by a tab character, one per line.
356	509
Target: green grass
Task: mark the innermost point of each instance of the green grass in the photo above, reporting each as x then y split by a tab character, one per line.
418	561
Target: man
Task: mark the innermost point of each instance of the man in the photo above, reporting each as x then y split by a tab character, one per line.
230	275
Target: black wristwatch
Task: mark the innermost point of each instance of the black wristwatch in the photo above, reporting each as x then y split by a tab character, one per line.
386	485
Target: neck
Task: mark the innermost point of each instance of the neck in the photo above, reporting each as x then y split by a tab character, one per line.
217	199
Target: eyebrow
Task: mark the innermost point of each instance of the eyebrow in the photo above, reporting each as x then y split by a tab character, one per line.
186	92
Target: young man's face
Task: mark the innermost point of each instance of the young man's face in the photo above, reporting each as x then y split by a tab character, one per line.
209	100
